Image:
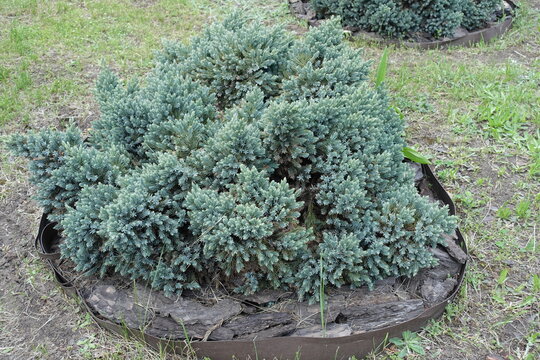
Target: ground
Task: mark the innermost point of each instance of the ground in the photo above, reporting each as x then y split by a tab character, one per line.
475	111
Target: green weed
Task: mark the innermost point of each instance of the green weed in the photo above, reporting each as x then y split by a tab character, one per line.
504	213
410	344
523	209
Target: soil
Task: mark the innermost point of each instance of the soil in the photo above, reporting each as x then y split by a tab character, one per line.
31	307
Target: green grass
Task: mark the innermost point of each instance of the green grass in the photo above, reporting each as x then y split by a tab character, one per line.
473	111
52	48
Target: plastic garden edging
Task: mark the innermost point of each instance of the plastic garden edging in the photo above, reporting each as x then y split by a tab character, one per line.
339	348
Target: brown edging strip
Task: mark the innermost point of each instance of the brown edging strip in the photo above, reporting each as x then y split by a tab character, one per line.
469	39
310	348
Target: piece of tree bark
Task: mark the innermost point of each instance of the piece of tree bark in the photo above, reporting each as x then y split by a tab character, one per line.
434	291
165	327
189	312
454	249
275	331
265	297
371	317
118	306
332	330
447	266
257	322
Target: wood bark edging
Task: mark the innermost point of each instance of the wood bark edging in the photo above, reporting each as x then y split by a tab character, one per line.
339	348
487	34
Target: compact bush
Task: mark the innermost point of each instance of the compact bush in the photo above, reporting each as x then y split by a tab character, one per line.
404	18
247	158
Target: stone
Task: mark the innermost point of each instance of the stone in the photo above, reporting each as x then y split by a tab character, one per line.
446	268
167	328
314	22
389	281
143	295
248	309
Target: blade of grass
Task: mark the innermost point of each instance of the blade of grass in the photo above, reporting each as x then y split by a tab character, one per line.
321	295
381	69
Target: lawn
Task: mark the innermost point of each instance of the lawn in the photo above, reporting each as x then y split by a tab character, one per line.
474	111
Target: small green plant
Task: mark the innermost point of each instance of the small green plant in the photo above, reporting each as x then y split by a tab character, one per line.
448	174
532	348
435	328
536	283
85	321
504	212
451	311
468	199
8	349
532	245
4	73
481	181
532	144
86	345
409	344
23	81
41	349
523	209
500	292
503	276
189	350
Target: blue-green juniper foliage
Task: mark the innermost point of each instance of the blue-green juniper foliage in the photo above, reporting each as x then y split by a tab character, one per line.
406	18
241	159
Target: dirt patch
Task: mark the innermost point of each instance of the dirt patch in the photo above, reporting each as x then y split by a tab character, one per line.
30	306
143	3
